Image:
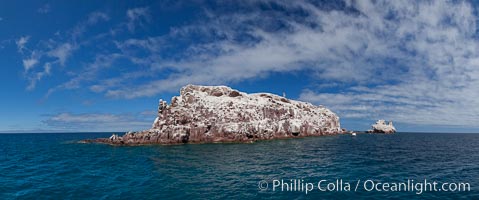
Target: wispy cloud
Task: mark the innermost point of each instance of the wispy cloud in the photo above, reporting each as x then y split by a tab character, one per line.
97	121
410	61
411	66
89	74
29	63
37	76
92	19
54	51
438	74
61	52
45	9
21	43
137	17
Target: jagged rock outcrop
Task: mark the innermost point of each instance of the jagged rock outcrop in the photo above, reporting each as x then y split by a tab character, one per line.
382	127
203	114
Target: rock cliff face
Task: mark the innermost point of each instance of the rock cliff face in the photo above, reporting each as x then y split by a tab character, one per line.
203	114
382	127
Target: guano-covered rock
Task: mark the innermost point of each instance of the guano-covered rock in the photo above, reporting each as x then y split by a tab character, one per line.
382	127
205	114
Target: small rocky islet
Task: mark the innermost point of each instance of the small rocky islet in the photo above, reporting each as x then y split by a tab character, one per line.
382	127
212	114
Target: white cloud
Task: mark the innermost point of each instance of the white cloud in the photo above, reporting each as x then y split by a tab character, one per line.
96	17
98	121
31	72
91	20
412	62
137	16
89	74
21	42
62	52
409	61
38	76
416	103
45	9
29	63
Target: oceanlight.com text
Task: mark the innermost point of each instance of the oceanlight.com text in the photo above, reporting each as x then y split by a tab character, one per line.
368	185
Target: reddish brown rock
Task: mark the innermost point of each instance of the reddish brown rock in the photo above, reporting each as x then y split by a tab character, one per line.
204	114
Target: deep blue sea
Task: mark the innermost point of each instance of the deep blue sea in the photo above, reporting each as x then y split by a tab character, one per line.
54	166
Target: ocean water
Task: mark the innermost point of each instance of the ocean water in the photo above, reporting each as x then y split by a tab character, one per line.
54	166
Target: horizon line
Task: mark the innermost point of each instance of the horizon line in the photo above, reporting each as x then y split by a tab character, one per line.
59	132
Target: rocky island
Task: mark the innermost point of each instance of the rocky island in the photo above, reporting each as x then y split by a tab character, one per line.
207	114
382	127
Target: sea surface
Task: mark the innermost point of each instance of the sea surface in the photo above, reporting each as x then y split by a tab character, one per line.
55	166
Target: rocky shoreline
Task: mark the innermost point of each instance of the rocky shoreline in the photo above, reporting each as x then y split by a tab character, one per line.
212	114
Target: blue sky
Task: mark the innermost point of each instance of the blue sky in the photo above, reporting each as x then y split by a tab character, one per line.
103	65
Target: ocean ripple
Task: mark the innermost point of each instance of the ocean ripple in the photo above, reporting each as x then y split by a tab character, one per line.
51	166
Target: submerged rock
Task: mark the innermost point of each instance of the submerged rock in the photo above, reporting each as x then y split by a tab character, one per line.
204	114
382	127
